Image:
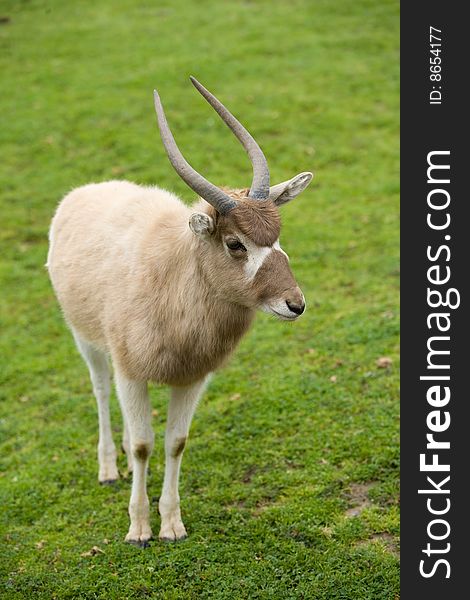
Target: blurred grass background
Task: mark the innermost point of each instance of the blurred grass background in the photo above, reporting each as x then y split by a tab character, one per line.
290	481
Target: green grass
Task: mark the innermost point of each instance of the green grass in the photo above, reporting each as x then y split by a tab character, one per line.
290	480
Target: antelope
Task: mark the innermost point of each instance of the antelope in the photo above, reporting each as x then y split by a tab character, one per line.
166	291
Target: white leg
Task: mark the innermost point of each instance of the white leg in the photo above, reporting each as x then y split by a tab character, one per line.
182	405
135	404
126	444
98	366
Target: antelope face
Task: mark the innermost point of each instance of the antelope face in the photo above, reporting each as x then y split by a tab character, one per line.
270	279
246	263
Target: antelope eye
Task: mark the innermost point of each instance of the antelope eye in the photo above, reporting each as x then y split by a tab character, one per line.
234	244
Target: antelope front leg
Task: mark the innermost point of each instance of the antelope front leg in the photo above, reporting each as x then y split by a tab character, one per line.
126	444
137	414
182	405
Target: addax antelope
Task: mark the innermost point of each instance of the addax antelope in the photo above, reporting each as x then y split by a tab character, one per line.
165	292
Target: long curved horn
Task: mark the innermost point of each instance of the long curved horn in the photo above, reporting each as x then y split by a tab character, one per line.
219	200
260	184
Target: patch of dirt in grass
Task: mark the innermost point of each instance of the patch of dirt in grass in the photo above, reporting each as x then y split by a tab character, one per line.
358	498
262	505
385	539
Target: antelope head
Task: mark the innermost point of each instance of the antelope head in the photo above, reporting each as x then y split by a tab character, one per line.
239	229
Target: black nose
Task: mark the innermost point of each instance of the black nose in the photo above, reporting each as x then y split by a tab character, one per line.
298	309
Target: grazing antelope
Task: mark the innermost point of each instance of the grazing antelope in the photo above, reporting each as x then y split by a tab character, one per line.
167	291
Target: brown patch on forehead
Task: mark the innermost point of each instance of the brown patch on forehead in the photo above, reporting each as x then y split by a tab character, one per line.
257	219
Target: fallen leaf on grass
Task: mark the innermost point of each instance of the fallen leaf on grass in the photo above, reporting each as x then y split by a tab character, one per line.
383	362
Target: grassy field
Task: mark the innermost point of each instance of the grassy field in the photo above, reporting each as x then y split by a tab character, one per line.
290	479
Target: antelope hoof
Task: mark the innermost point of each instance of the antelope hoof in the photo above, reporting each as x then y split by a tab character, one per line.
108	482
108	476
139	536
173	532
108	473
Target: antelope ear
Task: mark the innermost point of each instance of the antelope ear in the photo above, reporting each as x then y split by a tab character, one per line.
201	224
288	190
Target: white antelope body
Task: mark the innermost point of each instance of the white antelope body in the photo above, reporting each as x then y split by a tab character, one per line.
166	291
